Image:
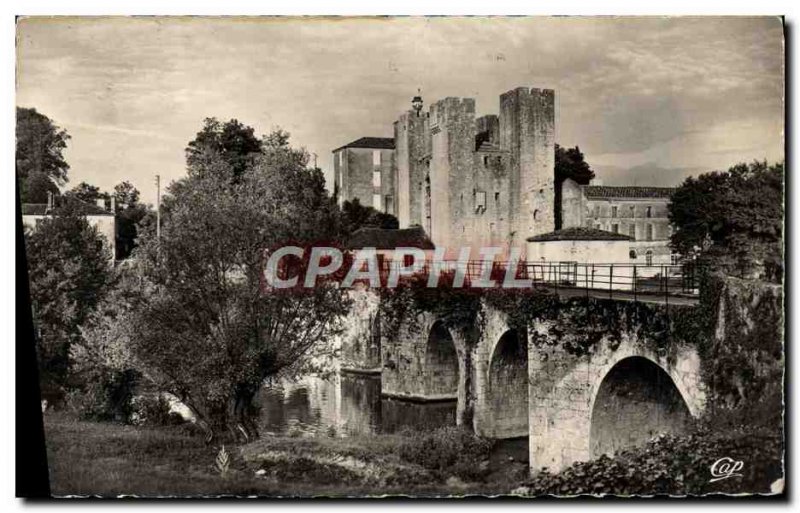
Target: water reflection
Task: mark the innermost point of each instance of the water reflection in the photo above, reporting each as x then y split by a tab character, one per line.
345	404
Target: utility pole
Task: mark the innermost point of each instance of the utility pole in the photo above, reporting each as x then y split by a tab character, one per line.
158	207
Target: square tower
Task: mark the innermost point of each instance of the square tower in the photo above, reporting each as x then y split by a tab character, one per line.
527	126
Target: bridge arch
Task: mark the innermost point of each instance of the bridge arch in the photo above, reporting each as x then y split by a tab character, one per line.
507	384
635	401
441	362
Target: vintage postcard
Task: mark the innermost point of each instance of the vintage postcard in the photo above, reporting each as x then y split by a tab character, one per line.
401	256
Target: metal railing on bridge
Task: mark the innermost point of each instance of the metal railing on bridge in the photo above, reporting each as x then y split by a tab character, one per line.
620	280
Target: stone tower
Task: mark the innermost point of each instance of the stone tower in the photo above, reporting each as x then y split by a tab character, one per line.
527	125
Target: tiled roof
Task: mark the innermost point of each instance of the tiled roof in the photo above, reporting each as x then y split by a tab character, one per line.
382	238
578	233
377	143
624	191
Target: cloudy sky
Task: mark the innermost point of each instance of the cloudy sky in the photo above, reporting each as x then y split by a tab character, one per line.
648	100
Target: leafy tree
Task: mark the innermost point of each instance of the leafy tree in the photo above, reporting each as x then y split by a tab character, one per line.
355	215
569	163
129	213
126	195
40	148
87	193
69	273
732	220
205	328
233	141
36	187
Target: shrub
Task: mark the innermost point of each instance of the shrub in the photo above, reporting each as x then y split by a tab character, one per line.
673	465
447	451
154	410
108	397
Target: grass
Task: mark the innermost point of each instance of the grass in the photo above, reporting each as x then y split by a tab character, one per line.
103	459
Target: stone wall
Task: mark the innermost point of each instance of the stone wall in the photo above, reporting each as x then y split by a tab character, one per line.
563	388
360	341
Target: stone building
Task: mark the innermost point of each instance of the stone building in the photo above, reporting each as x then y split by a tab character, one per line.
641	213
365	170
485	181
489	181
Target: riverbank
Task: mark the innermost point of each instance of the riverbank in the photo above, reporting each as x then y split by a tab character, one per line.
91	458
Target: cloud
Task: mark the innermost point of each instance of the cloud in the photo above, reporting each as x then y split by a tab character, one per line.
680	93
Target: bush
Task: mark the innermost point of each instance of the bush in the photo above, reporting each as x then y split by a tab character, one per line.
673	465
154	410
108	397
447	451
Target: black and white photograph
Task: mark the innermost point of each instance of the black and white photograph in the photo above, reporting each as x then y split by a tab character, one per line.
401	256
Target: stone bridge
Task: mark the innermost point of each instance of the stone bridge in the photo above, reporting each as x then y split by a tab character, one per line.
576	391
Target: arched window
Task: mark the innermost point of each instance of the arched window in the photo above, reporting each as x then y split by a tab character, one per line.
648	256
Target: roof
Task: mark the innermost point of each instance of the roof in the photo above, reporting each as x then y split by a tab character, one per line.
40	209
578	233
382	238
377	143
625	191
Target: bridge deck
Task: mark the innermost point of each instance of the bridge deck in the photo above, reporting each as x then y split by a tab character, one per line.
622	295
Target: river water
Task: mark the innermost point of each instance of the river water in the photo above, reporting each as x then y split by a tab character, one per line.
345	404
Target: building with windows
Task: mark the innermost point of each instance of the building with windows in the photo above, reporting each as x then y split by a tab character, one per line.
641	213
467	181
489	181
365	170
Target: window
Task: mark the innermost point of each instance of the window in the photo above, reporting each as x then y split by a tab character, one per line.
597	210
649	232
376	202
480	201
674	259
649	212
376	157
485	161
648	257
632	231
389	204
615	228
632	254
491	228
497	198
376	178
614	211
535	214
633	211
408	260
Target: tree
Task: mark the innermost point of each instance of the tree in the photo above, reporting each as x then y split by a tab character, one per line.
569	163
36	187
87	193
732	220
126	195
233	141
205	328
129	213
355	215
69	273
39	150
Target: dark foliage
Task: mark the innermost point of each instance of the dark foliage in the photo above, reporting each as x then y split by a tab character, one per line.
569	163
40	149
732	219
234	141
